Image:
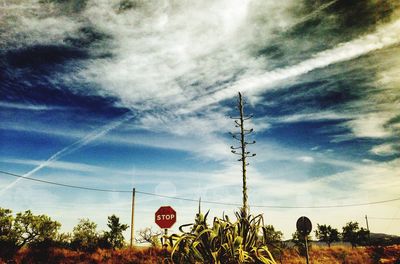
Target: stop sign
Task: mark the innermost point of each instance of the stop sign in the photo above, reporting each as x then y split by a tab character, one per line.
165	217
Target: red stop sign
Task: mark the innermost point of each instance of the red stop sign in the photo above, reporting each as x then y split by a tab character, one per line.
165	217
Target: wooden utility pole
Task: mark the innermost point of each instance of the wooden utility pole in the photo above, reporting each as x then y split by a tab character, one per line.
369	233
133	217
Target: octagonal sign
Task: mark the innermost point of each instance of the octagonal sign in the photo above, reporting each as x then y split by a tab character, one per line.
165	217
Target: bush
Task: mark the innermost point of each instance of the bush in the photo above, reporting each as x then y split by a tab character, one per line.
223	242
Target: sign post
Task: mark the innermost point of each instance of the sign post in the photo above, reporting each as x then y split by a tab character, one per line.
165	218
133	217
304	228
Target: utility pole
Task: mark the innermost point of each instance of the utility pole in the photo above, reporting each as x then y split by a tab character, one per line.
369	233
241	136
133	217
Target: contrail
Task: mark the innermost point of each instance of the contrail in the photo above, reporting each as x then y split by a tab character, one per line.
314	13
385	36
74	147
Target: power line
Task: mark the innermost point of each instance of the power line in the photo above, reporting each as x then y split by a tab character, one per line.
195	200
385	218
64	185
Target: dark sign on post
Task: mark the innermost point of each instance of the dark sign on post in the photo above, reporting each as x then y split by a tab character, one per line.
304	226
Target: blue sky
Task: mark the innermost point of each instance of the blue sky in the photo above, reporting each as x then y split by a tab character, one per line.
97	95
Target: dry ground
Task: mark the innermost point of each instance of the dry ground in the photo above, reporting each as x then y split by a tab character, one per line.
318	255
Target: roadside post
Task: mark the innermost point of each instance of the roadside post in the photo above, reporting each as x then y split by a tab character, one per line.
304	228
165	218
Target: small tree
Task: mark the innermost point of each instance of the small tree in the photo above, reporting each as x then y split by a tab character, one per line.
273	239
362	236
34	229
114	237
349	233
272	236
353	234
327	234
147	235
8	236
84	235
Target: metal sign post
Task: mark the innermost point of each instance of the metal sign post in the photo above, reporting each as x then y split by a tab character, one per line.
165	218
304	228
133	217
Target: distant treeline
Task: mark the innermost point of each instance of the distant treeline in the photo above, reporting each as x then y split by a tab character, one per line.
39	232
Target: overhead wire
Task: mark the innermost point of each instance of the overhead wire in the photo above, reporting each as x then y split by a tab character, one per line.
195	200
384	218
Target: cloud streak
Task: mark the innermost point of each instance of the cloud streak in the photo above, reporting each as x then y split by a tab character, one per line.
385	36
73	147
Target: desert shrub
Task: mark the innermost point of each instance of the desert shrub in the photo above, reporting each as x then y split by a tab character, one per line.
147	235
85	236
242	241
114	237
273	238
25	229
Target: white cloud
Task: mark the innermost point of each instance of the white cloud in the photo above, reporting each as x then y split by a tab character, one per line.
371	125
384	150
306	159
87	139
30	107
171	59
385	36
55	164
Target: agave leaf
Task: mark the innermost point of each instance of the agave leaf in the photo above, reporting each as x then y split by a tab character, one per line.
260	256
205	216
182	226
238	241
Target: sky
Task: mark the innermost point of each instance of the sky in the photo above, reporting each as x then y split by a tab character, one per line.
139	94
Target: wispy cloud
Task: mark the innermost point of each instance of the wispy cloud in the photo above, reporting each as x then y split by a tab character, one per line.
385	36
177	63
31	107
384	150
73	147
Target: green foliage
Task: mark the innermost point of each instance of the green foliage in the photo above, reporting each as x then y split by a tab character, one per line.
327	234
40	232
8	236
273	239
25	229
363	236
353	234
32	228
85	236
223	242
114	237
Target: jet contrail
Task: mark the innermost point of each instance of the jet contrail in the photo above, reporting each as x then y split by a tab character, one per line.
74	147
384	37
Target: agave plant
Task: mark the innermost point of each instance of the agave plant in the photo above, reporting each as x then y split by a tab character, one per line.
224	241
242	241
